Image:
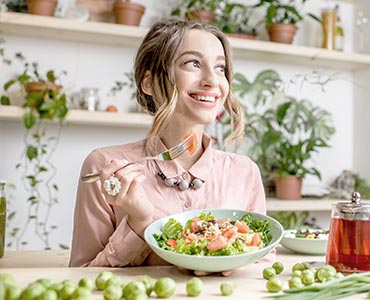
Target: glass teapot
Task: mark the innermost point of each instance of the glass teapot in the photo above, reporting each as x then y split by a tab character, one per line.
349	236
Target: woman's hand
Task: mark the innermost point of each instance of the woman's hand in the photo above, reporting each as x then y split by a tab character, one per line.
131	197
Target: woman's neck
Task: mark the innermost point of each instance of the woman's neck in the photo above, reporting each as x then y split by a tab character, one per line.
187	159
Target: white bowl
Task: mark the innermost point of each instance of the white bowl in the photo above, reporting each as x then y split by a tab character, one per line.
304	245
212	263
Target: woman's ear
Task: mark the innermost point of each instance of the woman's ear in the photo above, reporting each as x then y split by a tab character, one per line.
146	85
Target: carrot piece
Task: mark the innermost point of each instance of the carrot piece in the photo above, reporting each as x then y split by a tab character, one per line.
242	227
172	243
218	243
194	141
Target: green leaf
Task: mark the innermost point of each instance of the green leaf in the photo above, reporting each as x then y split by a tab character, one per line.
29	119
8	84
5	100
31	152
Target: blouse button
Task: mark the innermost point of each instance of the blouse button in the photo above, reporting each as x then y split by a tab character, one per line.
187	204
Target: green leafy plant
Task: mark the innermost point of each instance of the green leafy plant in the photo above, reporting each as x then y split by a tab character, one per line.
16	5
281	133
235	18
281	11
183	7
44	103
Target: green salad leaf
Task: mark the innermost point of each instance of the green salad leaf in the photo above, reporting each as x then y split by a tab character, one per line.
258	226
172	229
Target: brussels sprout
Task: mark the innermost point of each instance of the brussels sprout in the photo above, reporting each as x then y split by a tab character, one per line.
81	292
114	280
308	277
113	292
33	291
137	296
278	266
268	272
227	288
13	292
326	273
49	294
295	282
134	287
102	278
66	292
148	282
87	283
165	287
274	285
194	287
297	273
46	282
7	279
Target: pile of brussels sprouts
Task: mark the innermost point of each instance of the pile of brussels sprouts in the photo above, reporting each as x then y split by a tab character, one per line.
110	286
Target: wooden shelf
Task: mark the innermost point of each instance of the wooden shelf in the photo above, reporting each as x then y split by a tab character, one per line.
84	117
131	36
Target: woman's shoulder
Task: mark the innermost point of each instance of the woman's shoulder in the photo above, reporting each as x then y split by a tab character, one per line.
234	159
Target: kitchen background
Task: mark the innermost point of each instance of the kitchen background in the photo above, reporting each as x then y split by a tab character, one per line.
100	65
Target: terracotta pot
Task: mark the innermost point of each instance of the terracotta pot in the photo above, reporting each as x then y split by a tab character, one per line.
40	86
42	7
282	33
242	36
128	13
204	16
288	188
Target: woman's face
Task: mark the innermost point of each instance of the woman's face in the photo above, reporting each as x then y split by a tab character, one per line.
200	78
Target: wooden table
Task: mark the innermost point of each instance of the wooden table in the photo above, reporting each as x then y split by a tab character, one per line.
28	266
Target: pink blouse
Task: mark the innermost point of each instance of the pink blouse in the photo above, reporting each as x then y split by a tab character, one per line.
101	235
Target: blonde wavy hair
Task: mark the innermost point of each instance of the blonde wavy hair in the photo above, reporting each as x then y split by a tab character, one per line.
156	56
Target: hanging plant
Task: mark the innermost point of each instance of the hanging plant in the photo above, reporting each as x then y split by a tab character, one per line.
45	104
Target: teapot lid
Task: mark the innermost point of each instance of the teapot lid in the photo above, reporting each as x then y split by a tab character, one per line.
355	209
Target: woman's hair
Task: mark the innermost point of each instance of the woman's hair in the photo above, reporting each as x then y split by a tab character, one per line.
156	56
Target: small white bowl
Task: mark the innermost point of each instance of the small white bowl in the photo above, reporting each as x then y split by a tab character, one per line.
304	245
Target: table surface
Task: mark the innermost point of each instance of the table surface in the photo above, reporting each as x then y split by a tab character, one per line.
27	266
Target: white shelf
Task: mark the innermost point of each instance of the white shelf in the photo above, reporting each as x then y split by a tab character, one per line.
310	204
122	35
84	117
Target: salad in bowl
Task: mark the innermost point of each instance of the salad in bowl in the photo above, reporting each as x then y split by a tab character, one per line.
213	240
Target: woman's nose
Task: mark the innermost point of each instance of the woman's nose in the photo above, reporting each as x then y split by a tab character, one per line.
209	78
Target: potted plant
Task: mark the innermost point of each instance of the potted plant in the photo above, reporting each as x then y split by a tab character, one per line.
235	20
128	13
281	134
44	103
281	18
16	5
202	10
42	7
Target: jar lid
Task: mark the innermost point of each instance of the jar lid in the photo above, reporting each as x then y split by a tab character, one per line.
355	209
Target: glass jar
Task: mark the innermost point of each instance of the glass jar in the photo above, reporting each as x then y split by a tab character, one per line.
90	99
329	18
2	217
349	238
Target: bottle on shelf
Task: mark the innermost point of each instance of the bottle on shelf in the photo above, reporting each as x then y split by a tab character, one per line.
329	17
2	217
339	33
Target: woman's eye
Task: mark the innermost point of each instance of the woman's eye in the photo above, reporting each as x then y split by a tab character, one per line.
193	63
221	68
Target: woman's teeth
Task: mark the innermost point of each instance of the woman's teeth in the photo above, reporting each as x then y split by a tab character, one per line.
209	99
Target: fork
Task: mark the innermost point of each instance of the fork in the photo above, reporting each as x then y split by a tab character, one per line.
167	155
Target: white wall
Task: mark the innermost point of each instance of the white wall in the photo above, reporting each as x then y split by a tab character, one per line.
100	66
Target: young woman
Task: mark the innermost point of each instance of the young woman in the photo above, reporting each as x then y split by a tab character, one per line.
183	73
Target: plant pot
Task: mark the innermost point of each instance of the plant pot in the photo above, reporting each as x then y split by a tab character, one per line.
242	36
40	86
42	7
288	188
282	33
204	16
128	13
